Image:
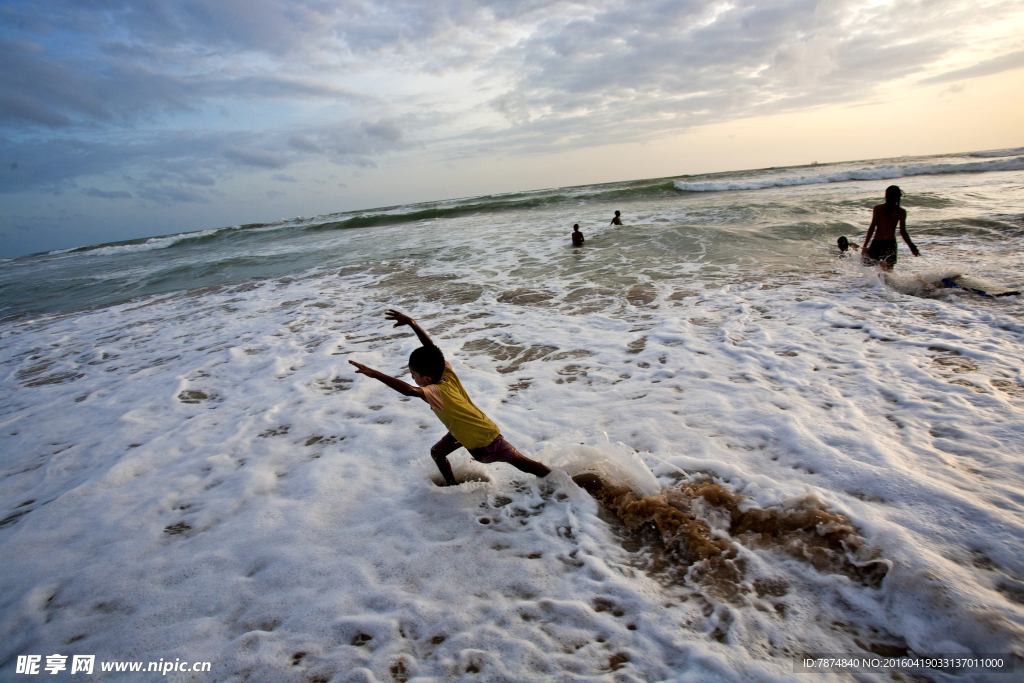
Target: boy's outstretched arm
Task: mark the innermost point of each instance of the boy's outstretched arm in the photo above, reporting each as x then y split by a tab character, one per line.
393	382
402	319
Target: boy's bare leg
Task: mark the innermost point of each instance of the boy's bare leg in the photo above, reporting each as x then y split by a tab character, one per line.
524	464
439	452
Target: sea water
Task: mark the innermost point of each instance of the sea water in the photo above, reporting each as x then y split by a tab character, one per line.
191	471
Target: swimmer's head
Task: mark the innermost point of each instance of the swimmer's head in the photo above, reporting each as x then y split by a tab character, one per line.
575	227
426	364
893	194
617	213
843	243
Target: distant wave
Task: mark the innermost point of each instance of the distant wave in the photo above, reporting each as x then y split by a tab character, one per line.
149	244
367	220
396	215
1017	151
178	240
876	173
495	204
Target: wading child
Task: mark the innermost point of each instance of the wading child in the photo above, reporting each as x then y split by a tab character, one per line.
577	236
467	425
885	218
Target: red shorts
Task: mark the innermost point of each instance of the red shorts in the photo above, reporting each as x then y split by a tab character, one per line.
498	450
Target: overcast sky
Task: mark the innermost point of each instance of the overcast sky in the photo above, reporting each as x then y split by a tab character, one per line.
124	118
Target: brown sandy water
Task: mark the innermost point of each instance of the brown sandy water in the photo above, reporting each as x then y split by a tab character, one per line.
688	534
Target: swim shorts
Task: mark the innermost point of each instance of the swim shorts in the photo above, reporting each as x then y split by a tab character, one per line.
882	250
498	450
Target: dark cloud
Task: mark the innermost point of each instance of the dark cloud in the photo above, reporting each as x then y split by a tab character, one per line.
352	142
196	178
173	194
254	157
36	88
304	143
182	166
103	194
270	26
385	130
269	87
179	158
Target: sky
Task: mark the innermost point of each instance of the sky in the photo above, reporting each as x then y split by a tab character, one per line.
122	119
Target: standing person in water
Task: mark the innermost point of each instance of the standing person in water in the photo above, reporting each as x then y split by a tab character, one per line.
882	250
577	236
617	220
467	426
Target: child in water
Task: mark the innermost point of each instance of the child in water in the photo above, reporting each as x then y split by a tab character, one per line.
577	236
882	251
467	425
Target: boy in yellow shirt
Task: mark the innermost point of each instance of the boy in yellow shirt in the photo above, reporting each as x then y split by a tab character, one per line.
467	425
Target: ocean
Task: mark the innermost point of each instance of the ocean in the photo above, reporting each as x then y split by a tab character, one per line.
763	451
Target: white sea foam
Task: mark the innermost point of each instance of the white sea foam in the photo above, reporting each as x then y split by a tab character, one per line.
203	476
613	462
887	172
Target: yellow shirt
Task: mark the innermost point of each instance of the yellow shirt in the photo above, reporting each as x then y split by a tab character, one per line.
456	410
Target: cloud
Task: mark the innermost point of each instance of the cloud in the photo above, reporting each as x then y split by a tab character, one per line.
572	71
176	157
173	194
385	130
125	87
254	157
621	74
36	88
304	143
182	166
271	26
989	67
103	194
353	141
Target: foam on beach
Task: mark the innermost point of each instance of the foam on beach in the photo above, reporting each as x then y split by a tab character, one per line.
757	457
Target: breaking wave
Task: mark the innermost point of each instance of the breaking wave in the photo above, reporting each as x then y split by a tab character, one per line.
875	173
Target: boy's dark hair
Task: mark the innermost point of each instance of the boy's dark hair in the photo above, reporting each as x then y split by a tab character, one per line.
427	361
893	193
